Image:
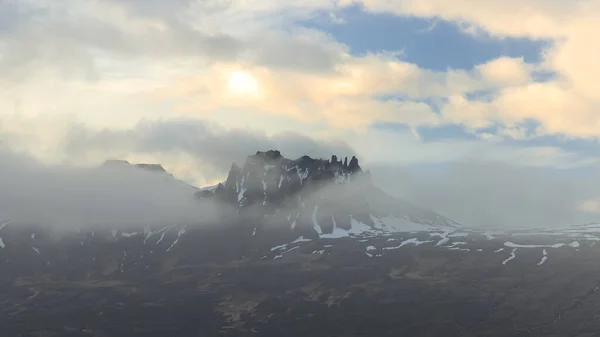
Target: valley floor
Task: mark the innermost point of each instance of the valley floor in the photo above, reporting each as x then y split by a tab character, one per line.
411	291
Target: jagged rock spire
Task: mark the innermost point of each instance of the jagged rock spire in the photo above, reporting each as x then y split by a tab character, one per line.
234	173
353	165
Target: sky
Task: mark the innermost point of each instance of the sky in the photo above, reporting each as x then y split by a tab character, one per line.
424	87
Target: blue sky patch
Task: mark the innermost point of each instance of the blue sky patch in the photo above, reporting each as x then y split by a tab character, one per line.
430	43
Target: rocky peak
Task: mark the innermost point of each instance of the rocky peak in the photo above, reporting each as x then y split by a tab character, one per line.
234	174
151	167
267	178
116	163
271	155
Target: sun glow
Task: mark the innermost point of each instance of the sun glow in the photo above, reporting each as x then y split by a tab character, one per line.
242	83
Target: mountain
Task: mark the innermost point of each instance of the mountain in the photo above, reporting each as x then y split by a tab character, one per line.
304	247
317	197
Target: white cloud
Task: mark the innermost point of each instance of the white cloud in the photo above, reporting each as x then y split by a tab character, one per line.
107	65
566	105
506	71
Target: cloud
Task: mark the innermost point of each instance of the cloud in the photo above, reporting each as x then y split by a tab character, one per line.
106	65
497	195
532	18
374	147
194	150
506	71
566	105
68	196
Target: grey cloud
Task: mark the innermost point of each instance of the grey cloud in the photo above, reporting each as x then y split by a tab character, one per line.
305	50
71	43
68	196
491	194
213	147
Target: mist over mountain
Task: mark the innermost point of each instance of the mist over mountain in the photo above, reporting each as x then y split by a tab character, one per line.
267	185
480	193
113	193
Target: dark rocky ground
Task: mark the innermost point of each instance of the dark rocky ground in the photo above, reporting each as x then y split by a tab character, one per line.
219	283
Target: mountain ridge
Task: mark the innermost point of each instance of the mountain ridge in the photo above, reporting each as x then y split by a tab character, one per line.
315	196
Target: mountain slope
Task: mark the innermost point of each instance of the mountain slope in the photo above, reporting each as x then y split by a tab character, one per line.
297	248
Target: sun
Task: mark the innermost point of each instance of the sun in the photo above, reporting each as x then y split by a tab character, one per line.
242	83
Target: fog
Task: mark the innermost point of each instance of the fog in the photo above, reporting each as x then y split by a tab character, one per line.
68	196
477	193
474	193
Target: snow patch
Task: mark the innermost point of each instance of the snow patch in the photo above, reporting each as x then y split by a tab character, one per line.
2	245
403	224
5	224
371	248
444	237
302	175
241	194
293	223
283	253
316	226
301	239
150	233
181	231
279	247
544	258
336	233
489	235
459	243
128	235
162	236
573	244
512	256
414	241
341	178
